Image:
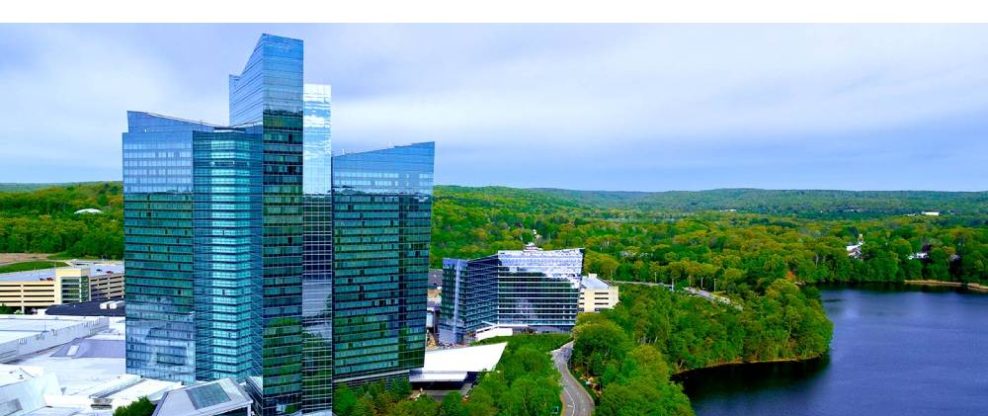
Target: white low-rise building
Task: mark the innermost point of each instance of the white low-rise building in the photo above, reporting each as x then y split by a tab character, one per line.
596	295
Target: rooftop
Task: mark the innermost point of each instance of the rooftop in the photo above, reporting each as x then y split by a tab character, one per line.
203	399
14	327
95	269
456	363
592	282
533	251
12	374
91	308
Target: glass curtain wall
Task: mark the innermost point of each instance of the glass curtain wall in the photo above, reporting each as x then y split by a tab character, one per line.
157	177
227	253
266	99
471	301
382	203
317	279
539	288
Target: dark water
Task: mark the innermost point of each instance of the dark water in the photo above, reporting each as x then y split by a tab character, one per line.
903	353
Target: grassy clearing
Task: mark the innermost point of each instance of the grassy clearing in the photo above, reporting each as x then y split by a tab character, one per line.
30	265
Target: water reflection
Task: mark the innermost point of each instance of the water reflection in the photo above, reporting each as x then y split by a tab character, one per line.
894	352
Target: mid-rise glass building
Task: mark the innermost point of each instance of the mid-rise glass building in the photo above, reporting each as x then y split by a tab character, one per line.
469	299
520	288
382	210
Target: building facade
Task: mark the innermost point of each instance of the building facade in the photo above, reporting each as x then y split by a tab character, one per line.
266	101
213	235
157	181
46	287
317	258
469	301
532	288
382	210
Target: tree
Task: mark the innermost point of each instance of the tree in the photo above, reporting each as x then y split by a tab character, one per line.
364	407
597	343
344	400
452	405
141	407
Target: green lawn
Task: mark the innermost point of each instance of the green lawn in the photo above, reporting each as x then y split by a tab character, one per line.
30	265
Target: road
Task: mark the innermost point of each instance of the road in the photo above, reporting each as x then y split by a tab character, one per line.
576	400
693	291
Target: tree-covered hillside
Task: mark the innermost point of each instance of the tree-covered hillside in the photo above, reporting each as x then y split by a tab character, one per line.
44	220
732	251
629	236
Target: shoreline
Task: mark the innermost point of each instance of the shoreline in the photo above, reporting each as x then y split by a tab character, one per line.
740	363
915	284
973	287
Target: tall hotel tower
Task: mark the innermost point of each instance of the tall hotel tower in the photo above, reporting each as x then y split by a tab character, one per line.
233	262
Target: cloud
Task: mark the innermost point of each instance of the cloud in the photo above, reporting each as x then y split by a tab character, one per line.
646	107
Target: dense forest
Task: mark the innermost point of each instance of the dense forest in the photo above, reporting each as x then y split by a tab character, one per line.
727	251
692	236
630	352
803	203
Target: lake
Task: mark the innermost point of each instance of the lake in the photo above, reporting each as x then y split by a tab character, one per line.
894	352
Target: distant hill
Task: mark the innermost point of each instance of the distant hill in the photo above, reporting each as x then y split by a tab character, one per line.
809	203
25	187
41	218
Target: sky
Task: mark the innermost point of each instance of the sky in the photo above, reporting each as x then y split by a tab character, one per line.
594	107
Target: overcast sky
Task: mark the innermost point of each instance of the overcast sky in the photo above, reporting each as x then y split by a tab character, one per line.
614	107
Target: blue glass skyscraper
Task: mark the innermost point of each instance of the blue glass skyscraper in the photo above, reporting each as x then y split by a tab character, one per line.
227	253
382	210
266	100
158	241
254	254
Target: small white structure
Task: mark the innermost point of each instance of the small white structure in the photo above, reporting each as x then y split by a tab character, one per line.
88	211
931	213
493	331
854	250
457	365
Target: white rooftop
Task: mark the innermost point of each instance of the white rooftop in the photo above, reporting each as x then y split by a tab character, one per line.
534	251
591	282
10	374
78	375
94	268
15	327
210	398
472	359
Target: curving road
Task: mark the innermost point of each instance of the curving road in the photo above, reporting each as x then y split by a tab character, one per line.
576	400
